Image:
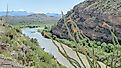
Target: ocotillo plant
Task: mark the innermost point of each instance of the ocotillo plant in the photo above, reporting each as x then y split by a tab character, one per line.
93	64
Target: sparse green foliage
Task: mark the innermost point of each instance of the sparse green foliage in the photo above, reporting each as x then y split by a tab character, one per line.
24	50
99	51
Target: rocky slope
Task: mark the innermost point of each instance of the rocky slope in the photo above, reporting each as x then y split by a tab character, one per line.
94	18
18	51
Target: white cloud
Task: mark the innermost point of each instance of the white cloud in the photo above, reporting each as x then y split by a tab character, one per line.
21	10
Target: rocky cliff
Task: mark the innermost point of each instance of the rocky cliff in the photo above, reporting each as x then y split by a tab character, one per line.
94	18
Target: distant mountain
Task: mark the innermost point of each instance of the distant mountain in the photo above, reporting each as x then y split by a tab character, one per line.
26	17
25	13
15	13
31	18
53	14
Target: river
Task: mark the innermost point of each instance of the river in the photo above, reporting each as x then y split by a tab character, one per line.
49	47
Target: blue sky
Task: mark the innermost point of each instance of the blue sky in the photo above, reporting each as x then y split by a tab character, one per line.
39	6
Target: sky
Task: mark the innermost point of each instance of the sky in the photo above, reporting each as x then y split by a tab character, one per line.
39	6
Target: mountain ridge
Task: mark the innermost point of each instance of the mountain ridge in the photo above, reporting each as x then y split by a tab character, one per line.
25	13
31	18
15	13
92	18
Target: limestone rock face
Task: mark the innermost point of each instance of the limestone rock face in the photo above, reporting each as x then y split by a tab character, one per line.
94	18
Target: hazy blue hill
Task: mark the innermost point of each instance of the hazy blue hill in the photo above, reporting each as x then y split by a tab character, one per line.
15	17
30	18
15	13
25	13
53	14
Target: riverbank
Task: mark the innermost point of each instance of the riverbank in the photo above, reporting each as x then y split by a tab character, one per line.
47	45
99	51
57	51
18	51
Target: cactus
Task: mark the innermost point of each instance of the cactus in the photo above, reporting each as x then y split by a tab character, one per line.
80	60
94	63
71	60
69	33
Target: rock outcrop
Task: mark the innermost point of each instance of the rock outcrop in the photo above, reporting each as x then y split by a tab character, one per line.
94	18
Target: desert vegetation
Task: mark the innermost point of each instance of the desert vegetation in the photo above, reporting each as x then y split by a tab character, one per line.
108	53
23	51
91	31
